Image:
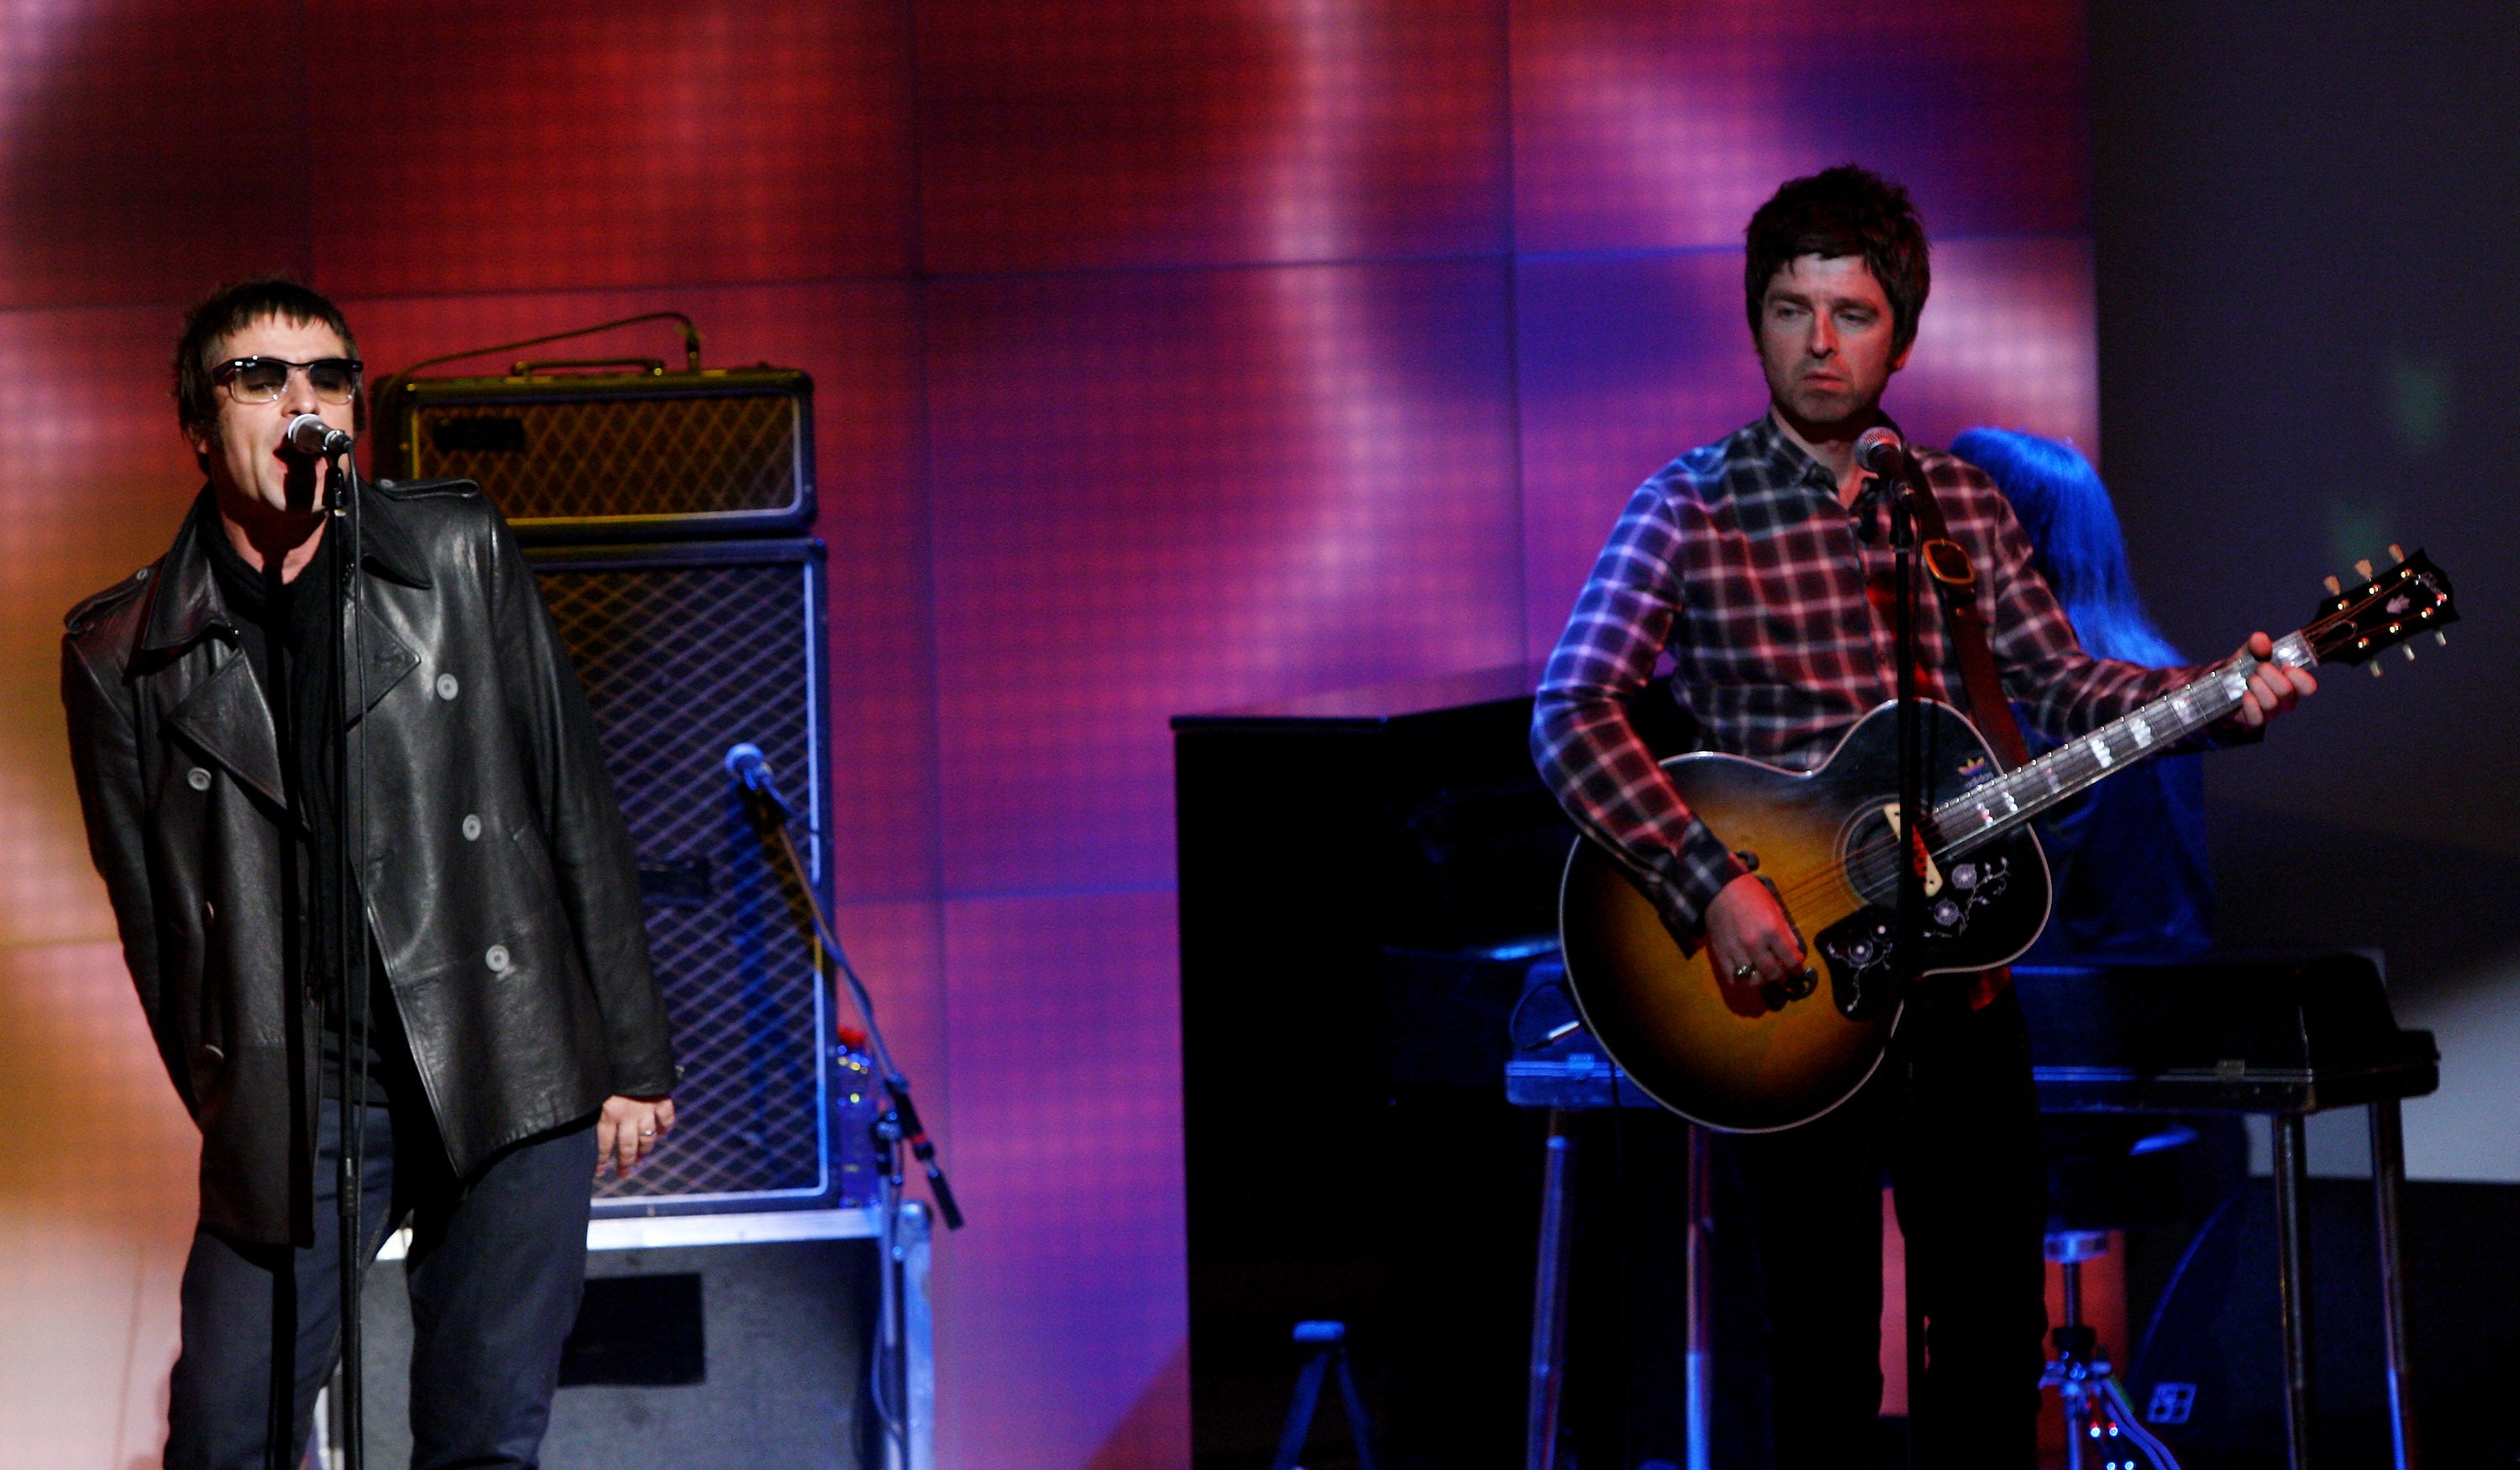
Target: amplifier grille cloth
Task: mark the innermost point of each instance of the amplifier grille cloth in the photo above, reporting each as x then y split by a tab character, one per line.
591	456
678	663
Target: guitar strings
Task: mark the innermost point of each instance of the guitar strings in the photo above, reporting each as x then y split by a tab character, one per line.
1873	863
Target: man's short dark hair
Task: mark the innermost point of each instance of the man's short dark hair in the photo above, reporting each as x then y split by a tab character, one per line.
1837	212
231	309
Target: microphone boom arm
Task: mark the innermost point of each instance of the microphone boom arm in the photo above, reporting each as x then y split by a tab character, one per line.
771	815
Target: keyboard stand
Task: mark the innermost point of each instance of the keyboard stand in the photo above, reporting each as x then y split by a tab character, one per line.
2282	1038
1570	1080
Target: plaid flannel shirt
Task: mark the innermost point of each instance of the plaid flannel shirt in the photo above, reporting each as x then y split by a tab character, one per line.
1739	561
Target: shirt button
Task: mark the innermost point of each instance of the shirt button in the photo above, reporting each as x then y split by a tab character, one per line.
472	828
497	960
446	686
198	779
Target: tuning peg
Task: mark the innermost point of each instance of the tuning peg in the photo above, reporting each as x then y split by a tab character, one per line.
2408	649
2441	638
2396	552
2377	670
2362	570
2336	586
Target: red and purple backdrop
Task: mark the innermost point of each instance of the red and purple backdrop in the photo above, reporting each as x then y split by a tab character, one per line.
1171	354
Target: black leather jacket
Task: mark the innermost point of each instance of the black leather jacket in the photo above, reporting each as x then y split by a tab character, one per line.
501	889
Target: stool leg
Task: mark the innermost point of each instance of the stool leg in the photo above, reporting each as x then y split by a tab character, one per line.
2388	1182
1549	1303
1701	1298
1357	1427
2291	1169
2072	1399
1299	1414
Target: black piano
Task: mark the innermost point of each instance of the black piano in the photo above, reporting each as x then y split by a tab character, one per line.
1362	878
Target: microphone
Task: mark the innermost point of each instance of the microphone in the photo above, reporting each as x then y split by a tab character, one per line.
751	770
308	433
1880	451
1883	457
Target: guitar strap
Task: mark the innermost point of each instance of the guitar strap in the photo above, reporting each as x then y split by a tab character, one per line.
1948	562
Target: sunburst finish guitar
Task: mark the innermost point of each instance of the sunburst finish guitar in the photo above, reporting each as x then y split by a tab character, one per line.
1747	1059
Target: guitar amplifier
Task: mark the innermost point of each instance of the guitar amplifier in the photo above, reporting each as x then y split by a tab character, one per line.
624	456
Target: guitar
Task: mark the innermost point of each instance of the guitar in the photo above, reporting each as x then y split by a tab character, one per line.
1757	1058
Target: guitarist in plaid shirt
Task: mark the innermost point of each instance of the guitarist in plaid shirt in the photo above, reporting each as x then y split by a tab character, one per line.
1759	566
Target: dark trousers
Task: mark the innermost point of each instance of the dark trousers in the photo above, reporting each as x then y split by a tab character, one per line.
1971	1200
498	1263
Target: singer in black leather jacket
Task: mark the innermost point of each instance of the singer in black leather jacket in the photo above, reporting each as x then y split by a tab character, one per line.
503	893
521	1040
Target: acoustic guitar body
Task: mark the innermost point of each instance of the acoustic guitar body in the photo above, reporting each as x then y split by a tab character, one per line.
1757	1058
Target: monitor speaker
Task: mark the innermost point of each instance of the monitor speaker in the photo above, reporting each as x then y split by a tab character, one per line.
756	1355
2209	1377
685	650
616	456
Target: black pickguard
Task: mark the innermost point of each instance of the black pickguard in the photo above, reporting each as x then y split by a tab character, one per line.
1989	904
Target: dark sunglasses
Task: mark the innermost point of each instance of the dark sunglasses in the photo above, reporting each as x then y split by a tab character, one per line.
260	379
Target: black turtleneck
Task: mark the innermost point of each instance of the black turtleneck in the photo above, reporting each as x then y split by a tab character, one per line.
282	627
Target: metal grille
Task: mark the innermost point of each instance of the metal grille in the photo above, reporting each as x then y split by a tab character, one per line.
580	457
680	659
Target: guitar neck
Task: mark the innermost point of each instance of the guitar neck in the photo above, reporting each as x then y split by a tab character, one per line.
1988	812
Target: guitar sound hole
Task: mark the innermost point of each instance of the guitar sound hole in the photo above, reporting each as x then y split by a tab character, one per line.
1869	856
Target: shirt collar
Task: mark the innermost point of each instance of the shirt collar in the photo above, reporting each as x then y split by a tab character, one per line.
1787	462
187	603
1784	466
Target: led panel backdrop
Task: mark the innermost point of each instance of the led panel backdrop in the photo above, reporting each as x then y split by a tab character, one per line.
1173	492
1640	125
1115	133
488	144
1168	354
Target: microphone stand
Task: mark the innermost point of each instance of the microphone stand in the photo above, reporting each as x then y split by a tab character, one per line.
897	1125
1909	929
349	956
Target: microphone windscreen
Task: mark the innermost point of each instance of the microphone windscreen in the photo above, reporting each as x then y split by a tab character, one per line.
1879	450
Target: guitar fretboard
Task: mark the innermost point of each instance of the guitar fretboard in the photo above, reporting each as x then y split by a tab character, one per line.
1991	810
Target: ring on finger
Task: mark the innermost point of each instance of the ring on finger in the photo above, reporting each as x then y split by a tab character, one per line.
1744	970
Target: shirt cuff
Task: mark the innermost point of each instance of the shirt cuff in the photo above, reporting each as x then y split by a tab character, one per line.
1701	869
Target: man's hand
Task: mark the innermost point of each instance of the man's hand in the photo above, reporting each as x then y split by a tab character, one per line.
2273	690
1745	925
629	1130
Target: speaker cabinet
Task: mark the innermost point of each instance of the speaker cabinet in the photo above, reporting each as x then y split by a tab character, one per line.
684	650
615	457
761	1352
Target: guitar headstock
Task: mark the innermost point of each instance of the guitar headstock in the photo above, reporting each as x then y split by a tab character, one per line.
2383	609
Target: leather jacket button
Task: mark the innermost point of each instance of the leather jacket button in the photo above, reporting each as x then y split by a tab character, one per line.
446	686
497	960
472	828
198	779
